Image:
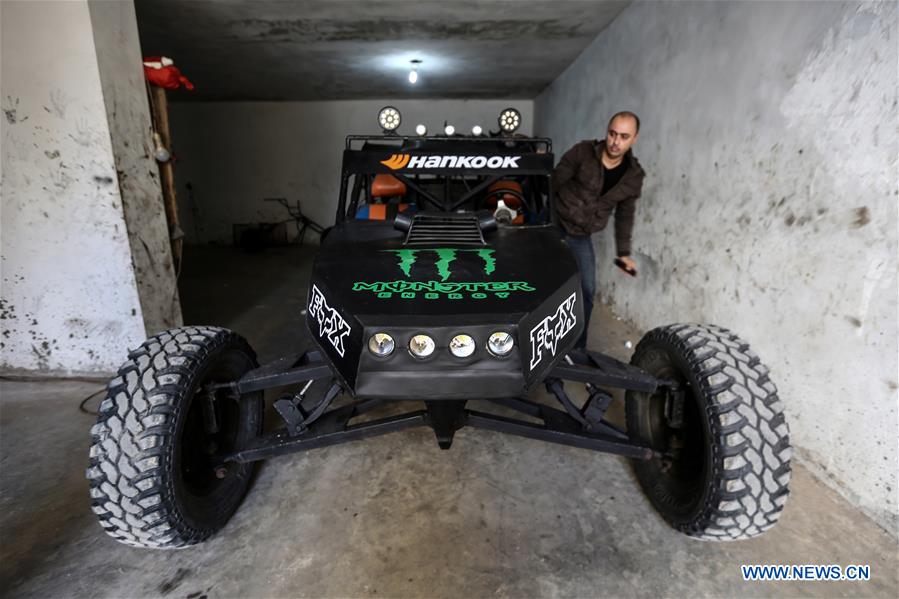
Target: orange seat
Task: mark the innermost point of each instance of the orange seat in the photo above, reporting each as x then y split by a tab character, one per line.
511	201
387	186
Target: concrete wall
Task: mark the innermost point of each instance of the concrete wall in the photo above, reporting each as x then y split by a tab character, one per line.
69	296
128	112
770	144
234	154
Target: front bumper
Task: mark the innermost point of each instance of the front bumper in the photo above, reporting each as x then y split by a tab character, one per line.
401	376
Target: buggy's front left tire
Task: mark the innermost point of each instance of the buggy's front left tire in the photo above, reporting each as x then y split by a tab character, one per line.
155	478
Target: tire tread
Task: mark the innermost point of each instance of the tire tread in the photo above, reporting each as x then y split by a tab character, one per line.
751	445
131	490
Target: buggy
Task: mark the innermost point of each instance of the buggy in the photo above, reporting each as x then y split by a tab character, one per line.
443	281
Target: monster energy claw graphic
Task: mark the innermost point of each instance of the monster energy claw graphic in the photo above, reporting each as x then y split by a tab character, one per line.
407	259
445	258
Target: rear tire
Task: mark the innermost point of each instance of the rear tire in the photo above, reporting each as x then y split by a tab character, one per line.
727	468
153	461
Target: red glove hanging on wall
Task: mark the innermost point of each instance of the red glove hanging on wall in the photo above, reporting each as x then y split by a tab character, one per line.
161	71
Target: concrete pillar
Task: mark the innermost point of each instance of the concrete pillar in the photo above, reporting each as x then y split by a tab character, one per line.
127	108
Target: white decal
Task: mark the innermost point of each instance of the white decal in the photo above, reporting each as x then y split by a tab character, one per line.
439	161
549	331
331	325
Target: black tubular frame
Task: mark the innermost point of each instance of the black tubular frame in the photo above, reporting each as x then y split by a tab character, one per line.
582	427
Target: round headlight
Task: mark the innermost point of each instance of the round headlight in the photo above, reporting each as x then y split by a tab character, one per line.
421	129
500	343
421	346
509	120
449	130
476	130
389	118
381	344
462	346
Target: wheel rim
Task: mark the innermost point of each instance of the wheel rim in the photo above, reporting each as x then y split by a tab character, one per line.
679	474
203	475
201	466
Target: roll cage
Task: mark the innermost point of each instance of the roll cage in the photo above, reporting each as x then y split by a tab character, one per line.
447	174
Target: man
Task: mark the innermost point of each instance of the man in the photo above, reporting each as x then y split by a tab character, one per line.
593	180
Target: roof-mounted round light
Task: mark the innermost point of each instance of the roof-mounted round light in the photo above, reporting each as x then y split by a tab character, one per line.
449	130
421	130
389	118
476	130
509	120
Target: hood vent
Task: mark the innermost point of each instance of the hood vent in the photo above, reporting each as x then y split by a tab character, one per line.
459	229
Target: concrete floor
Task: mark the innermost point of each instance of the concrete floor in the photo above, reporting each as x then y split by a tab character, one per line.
392	516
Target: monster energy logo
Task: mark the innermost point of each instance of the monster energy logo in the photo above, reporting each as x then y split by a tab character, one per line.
437	289
445	258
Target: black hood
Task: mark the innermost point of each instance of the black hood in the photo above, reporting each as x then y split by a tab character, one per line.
366	280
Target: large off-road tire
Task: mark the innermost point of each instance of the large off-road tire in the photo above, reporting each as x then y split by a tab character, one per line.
727	468
155	480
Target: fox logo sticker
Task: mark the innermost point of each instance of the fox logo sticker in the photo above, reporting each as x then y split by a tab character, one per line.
331	325
550	331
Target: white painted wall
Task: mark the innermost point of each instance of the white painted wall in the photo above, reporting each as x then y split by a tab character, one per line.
69	298
236	153
770	205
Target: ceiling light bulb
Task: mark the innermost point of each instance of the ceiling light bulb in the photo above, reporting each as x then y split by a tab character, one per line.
413	76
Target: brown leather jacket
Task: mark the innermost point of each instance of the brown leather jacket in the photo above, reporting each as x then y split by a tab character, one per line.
577	181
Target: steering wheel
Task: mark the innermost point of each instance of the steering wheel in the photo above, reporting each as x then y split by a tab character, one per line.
516	203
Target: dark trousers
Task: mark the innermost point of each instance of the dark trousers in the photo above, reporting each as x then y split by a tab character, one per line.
582	247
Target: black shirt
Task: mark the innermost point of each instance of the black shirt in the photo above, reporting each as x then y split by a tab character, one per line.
611	176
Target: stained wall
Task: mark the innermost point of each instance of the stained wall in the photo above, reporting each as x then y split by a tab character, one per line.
770	204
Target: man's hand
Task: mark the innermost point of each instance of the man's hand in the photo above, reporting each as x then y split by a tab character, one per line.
626	264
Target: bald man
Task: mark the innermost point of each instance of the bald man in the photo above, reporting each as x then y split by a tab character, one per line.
593	180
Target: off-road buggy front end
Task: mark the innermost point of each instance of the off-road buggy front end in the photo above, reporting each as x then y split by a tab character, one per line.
443	282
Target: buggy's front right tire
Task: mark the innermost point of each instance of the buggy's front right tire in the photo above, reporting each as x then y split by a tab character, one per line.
155	476
723	460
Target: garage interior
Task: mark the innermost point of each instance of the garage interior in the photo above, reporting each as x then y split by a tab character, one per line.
769	137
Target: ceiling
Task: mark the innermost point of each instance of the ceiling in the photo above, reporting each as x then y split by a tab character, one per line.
355	49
